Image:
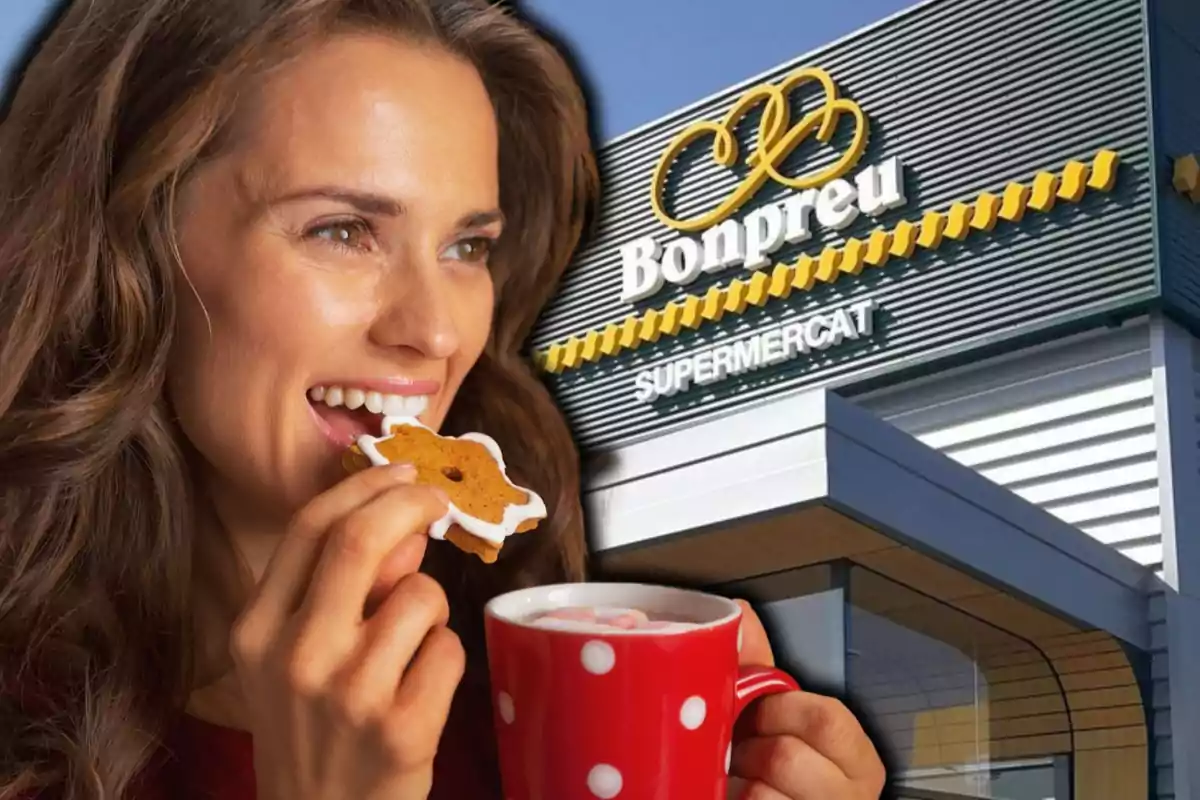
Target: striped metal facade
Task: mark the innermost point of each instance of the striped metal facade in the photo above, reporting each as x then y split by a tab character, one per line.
1175	38
1196	396
1161	623
1068	426
1160	700
960	91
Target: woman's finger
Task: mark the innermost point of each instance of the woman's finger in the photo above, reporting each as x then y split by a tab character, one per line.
823	724
282	586
791	768
424	697
392	637
742	789
355	549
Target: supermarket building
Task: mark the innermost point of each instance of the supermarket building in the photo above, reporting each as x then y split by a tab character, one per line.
902	340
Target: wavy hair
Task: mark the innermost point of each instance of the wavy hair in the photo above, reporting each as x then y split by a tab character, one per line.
119	102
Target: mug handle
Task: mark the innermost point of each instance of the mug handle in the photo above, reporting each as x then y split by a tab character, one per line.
755	682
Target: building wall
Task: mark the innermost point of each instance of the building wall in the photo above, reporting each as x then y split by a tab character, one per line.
971	97
1160	700
1184	719
1071	426
1175	701
1175	602
1196	396
1068	426
1175	38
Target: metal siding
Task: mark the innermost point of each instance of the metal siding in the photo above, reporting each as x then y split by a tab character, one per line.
1176	65
959	91
1164	755
1160	700
1176	363
1069	427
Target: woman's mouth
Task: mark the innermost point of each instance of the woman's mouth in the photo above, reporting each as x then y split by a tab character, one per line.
346	412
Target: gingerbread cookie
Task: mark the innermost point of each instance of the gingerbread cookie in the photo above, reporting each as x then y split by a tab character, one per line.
485	506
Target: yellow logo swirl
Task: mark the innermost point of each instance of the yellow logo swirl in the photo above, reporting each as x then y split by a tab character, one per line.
776	141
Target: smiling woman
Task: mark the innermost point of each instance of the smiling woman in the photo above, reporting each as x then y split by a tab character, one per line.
237	233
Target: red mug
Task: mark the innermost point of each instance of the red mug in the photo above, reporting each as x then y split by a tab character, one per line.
644	714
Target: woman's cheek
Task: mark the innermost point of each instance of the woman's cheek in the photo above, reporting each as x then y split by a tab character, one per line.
476	315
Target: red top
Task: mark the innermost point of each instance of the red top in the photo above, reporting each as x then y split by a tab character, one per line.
202	761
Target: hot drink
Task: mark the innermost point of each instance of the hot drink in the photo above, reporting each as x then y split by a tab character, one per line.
607	619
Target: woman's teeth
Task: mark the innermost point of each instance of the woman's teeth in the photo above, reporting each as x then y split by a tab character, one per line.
389	405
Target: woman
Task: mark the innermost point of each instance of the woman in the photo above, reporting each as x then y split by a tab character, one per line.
231	232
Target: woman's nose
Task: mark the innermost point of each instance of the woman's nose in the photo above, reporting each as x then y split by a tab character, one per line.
417	312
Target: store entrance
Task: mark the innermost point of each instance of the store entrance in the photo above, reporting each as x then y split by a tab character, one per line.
1028	781
971	691
929	794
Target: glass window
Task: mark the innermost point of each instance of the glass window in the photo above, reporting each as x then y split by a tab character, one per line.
803	610
963	709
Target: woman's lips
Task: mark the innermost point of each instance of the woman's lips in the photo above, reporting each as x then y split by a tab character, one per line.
398	386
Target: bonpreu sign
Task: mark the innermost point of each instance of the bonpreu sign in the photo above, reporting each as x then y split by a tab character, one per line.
959	197
823	198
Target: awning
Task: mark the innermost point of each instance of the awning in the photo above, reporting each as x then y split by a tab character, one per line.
813	479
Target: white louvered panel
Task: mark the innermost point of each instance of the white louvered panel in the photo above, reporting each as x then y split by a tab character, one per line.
1110	505
1133	526
1151	553
1049	492
1034	429
1071	407
1128	447
1068	426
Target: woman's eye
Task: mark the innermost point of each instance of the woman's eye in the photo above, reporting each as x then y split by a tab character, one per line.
351	234
473	250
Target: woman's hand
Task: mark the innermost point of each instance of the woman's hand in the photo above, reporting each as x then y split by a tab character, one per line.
799	746
343	706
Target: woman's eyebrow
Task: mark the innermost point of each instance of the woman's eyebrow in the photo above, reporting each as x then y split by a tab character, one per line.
366	202
481	219
378	204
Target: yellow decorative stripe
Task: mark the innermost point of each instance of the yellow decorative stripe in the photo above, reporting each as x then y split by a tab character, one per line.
901	242
1187	177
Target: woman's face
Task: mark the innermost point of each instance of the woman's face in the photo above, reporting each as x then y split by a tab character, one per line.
338	252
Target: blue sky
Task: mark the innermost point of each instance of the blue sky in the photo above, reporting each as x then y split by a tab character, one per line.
642	58
645	58
17	19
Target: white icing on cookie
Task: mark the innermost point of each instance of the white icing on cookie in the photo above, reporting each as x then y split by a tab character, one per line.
494	532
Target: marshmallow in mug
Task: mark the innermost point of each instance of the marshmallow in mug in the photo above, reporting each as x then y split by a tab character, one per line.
605	619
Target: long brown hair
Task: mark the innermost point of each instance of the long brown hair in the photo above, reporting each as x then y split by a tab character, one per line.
120	101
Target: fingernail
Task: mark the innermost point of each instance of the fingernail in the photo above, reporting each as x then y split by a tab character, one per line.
402	471
441	495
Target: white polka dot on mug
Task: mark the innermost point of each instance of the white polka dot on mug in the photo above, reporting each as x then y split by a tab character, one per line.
604	781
